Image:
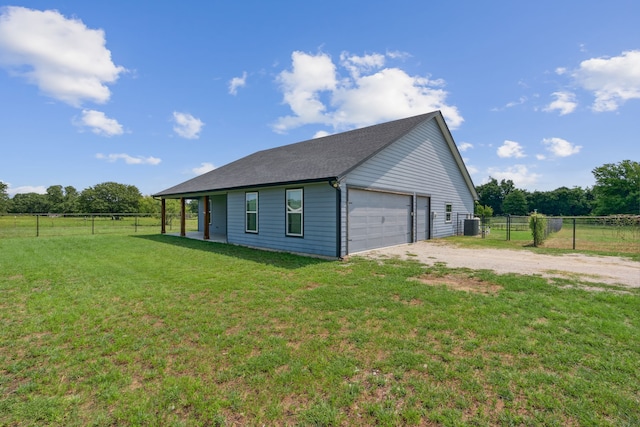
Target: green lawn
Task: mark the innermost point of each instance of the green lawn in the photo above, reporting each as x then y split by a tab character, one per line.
158	330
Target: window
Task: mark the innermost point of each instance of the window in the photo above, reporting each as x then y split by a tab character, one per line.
448	208
251	217
294	213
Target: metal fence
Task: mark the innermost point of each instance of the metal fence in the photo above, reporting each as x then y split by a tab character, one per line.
611	233
36	225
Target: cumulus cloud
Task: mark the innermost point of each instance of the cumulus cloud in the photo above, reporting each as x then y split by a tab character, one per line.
613	81
203	168
130	160
510	149
465	146
65	59
99	123
24	189
367	92
519	174
564	103
186	125
237	82
560	147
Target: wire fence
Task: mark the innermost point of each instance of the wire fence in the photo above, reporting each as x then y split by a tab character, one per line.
611	233
41	225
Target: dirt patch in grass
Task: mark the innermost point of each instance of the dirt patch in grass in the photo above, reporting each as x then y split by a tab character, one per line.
459	282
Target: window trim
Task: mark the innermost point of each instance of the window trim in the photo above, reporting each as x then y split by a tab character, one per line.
247	212
287	212
448	212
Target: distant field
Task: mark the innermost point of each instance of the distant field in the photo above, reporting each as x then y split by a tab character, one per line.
62	225
144	329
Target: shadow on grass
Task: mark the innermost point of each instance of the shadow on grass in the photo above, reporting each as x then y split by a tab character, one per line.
276	259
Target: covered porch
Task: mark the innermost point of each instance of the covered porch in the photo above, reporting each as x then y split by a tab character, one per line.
212	217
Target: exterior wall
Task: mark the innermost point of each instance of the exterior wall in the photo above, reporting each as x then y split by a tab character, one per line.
218	224
319	220
420	163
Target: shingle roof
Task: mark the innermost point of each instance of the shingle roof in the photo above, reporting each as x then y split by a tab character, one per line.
322	158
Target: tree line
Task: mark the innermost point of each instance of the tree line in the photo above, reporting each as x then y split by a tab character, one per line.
616	191
107	197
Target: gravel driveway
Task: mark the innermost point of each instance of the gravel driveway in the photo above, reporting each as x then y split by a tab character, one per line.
592	269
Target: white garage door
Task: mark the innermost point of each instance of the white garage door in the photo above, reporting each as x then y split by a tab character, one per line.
378	219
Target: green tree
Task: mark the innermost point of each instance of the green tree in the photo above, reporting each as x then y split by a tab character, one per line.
483	211
492	193
29	203
149	205
5	201
617	188
515	203
70	200
55	198
110	197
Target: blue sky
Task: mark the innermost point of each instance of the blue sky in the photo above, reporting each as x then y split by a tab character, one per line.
153	93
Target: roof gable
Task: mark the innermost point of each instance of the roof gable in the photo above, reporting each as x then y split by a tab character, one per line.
317	159
312	160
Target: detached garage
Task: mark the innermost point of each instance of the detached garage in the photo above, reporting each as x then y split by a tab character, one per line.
388	184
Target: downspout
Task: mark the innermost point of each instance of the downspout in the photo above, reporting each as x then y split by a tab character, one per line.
335	183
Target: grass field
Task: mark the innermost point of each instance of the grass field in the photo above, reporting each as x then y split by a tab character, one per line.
589	238
158	330
66	225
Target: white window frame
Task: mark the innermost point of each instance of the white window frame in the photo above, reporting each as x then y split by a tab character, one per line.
291	211
248	212
448	212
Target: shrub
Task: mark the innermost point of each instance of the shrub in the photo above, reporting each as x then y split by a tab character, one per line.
538	226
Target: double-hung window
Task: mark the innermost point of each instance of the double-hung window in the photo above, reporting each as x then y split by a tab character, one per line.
295	212
448	209
251	212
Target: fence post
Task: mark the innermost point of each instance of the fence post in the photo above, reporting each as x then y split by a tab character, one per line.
135	224
93	224
37	225
574	234
509	227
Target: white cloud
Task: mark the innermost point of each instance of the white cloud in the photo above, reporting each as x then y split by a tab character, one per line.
65	59
565	103
561	70
511	104
203	168
560	147
465	146
510	149
519	174
24	189
99	123
130	160
320	134
317	93
237	82
612	80
359	64
541	157
186	125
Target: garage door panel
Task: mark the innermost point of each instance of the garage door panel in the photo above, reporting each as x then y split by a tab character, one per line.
378	219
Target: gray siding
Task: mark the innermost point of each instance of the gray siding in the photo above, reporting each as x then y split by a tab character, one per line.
420	162
319	220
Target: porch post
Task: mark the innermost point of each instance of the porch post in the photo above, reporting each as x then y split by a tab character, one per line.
183	225
163	216
207	217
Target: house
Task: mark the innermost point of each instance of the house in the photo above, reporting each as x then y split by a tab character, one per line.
388	184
